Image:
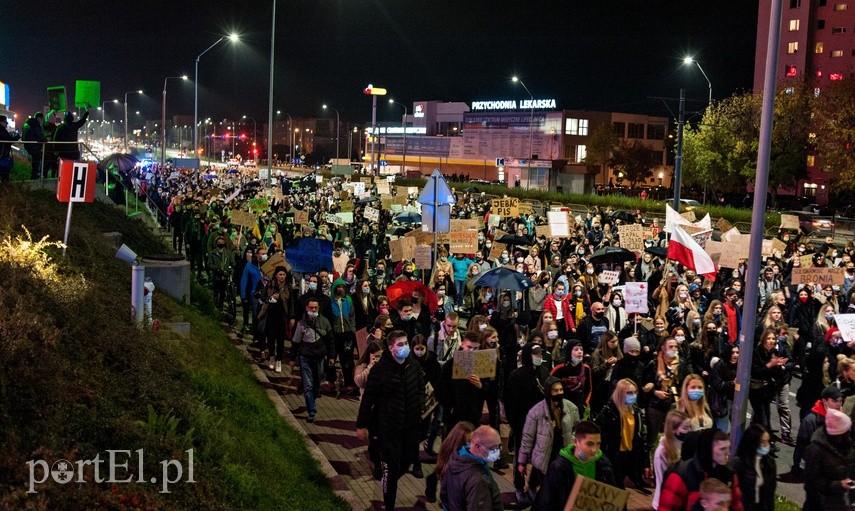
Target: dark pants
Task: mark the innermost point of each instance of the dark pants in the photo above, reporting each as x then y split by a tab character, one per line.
276	344
36	173
761	408
177	239
344	343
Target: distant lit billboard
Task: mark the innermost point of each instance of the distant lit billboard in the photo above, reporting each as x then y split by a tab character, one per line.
4	94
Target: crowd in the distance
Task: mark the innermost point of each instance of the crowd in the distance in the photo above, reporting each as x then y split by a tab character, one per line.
631	400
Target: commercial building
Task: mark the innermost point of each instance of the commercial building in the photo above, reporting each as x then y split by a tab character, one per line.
817	46
528	143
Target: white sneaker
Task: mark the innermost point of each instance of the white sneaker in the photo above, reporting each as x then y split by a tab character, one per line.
271	363
278	366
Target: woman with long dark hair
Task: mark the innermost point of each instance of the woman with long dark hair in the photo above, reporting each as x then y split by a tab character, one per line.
756	469
459	436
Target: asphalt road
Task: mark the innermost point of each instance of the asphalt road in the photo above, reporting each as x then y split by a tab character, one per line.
790	485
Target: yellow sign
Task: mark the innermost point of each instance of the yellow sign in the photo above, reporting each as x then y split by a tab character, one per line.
505	207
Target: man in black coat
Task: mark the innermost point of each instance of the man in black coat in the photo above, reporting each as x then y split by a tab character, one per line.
392	405
67	132
592	327
461	400
522	391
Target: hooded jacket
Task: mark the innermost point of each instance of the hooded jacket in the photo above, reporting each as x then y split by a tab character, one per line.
812	422
828	460
343	312
538	435
681	487
468	484
522	390
562	474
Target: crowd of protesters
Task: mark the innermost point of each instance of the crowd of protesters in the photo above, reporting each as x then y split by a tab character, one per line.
586	388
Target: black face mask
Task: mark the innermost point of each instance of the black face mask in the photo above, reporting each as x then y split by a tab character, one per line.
557	399
681	436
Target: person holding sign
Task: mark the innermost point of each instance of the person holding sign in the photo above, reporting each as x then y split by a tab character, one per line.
583	458
461	400
67	132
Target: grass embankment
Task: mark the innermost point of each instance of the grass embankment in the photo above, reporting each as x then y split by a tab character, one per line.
733	215
76	380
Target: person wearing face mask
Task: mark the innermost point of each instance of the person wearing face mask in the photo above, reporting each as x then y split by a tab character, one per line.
344	333
314	290
722	385
442	266
309	346
558	305
575	375
582	458
393	400
603	361
829	459
468	482
406	319
756	469
615	313
249	283
662	387
829	399
733	313
693	402
461	399
219	268
623	442
536	296
668	451
548	427
364	303
523	390
460	264
592	327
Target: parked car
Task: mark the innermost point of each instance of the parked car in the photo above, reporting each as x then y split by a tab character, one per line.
686	202
810	222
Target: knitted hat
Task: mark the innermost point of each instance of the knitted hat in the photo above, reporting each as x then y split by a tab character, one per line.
831	331
837	423
631	343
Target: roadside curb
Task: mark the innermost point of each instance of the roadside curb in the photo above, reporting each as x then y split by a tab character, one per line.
339	486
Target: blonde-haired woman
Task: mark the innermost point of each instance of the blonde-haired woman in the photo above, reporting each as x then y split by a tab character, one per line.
693	403
667	454
623	442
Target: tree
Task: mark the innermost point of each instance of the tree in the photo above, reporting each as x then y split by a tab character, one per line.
635	160
834	124
600	146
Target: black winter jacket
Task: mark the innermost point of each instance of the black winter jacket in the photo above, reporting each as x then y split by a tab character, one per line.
559	480
828	462
610	422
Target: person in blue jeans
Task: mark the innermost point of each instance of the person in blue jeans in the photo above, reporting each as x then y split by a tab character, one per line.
309	346
460	263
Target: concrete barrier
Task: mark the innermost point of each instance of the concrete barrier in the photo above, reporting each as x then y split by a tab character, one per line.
170	277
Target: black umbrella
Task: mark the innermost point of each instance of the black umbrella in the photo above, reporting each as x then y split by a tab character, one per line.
626	216
473	189
513	239
397	231
611	255
366	200
657	251
504	278
123	162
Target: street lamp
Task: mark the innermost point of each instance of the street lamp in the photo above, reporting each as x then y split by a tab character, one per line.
661	177
104	111
290	138
404	127
126	115
689	61
163	118
530	122
337	124
233	38
254	126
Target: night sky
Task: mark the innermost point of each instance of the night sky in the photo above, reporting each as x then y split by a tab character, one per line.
587	54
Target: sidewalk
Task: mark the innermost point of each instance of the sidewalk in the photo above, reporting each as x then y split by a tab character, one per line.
334	434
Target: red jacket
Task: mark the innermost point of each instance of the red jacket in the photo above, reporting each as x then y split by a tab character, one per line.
732	321
549	305
681	489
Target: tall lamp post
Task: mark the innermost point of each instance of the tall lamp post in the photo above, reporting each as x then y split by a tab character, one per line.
163	118
254	127
403	127
233	38
689	61
126	115
337	124
104	111
530	122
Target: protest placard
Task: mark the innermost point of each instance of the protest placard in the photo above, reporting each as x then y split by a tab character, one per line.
635	297
494	220
508	206
806	260
346	205
590	495
271	264
371	214
609	277
463	242
301	217
401	191
366	180
689	216
820	276
346	218
496	250
258	205
790	222
383	188
526	208
481	363
735	249
702	237
778	246
243	218
632	237
331	218
726	236
542	230
559	223
400	200
465	225
426	238
358	187
724	225
402	248
344	195
846	324
386	203
422	256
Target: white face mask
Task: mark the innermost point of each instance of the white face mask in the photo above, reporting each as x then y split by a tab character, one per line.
616	302
552	335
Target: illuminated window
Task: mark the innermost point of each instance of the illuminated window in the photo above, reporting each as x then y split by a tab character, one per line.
818	47
792	47
576	127
583	127
838	30
835	76
794	25
811	160
581	152
839	7
791	71
837	53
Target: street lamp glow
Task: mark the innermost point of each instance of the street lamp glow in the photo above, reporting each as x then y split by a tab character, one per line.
688	60
184	77
515	79
233	37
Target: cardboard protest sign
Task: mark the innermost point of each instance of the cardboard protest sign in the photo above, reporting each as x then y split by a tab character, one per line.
559	223
635	297
714	248
790	222
778	246
383	188
806	260
344	195
632	237
271	264
401	190
505	207
496	250
481	363
426	238
465	225
724	225
421	254
346	205
331	218
726	236
735	249
689	216
301	217
402	248
366	180
372	214
258	205
526	208
494	220
609	277
590	495
543	230
820	276
400	200
87	93
345	218
846	324
244	218
386	203
463	242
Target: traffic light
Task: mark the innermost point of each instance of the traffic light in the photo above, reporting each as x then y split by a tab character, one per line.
243	136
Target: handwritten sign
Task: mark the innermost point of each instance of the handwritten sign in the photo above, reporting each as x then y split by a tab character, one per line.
543	230
689	216
387	202
346	205
494	220
481	363
402	248
465	225
421	254
358	187
778	246
632	237
244	218
724	225
463	242
806	260
346	218
635	297
271	264
820	276
258	205
301	217
726	236
383	188
505	207
496	250
609	277
790	222
401	190
332	219
372	214
590	495
526	208
846	324
734	250
559	223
